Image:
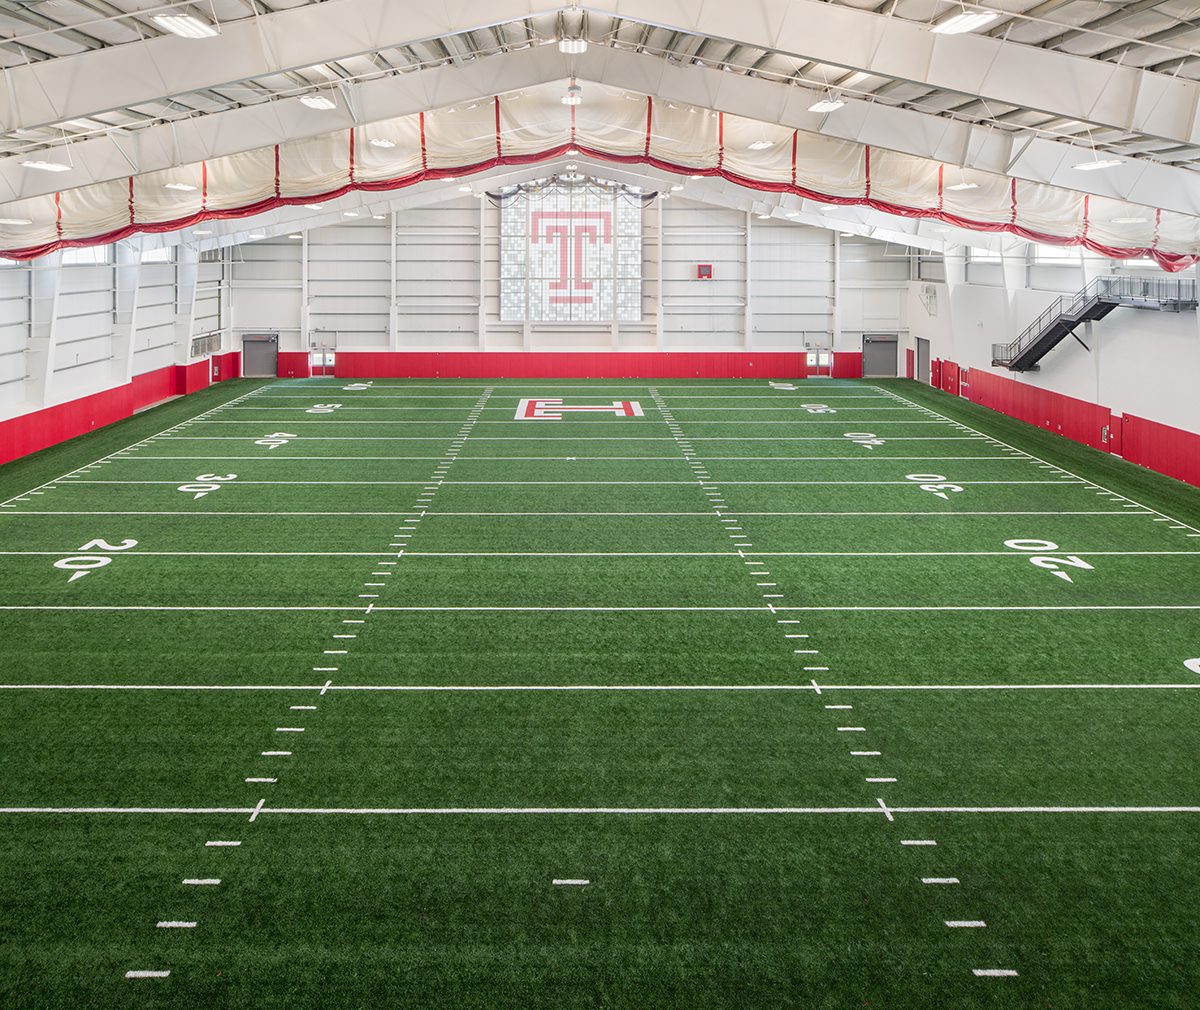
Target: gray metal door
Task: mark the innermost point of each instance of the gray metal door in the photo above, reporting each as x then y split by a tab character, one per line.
879	354
260	355
922	360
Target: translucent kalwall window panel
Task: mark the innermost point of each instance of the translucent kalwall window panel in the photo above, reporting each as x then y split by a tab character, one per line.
571	255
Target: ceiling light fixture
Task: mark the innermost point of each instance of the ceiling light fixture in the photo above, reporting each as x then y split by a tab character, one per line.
1130	220
296	236
185	26
964	21
378	217
15	220
958	187
349	213
46	166
202	231
464	189
761	145
830	104
382	142
256	236
697	176
1097	164
182	187
318	102
677	187
572	47
315	206
574	95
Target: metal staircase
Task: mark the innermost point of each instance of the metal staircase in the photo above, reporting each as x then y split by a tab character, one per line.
1097	300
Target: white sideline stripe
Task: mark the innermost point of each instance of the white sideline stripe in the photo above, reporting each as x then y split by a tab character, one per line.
417	811
215	845
147	974
966	923
174	924
865	753
918	841
254	779
484	688
994	972
565	882
608	610
1038	459
542	515
939	880
600	554
202	881
590	483
276	753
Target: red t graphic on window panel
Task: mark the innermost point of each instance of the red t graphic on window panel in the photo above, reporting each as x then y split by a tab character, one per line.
571	231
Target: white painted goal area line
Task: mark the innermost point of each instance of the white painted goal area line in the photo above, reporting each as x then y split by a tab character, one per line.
1035	459
872	811
808	687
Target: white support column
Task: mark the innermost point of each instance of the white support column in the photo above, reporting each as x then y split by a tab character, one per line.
482	317
1014	269
748	310
45	283
128	273
305	336
187	276
393	287
835	335
660	318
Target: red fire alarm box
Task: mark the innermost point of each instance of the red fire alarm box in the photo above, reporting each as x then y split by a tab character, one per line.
704	272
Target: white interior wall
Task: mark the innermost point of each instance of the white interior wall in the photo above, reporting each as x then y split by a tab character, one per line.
1139	361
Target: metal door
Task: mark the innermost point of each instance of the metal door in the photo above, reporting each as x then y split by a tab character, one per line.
260	355
922	360
879	354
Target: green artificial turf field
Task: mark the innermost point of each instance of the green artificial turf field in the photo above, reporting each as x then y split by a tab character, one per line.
849	694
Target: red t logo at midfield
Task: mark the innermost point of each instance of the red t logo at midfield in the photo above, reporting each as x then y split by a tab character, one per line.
552	409
572	231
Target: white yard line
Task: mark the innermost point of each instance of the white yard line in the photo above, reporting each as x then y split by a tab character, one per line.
609	610
872	810
652	688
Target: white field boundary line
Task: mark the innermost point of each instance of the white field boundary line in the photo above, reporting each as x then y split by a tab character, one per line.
585	483
517	396
11	502
508	409
664	811
579	438
606	610
581	459
810	687
602	554
630	420
1037	459
573	515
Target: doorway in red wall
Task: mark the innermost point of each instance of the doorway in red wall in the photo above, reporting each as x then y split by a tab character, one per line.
321	361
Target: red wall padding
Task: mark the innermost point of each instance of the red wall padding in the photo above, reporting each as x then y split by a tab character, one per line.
1160	447
847	364
150	387
193	378
910	368
1078	420
41	429
949	378
227	366
295	365
935	373
567	365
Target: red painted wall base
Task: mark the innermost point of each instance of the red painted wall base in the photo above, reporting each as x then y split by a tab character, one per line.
1159	447
20	436
568	365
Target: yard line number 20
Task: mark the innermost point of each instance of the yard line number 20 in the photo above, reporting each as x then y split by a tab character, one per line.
82	565
1054	565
